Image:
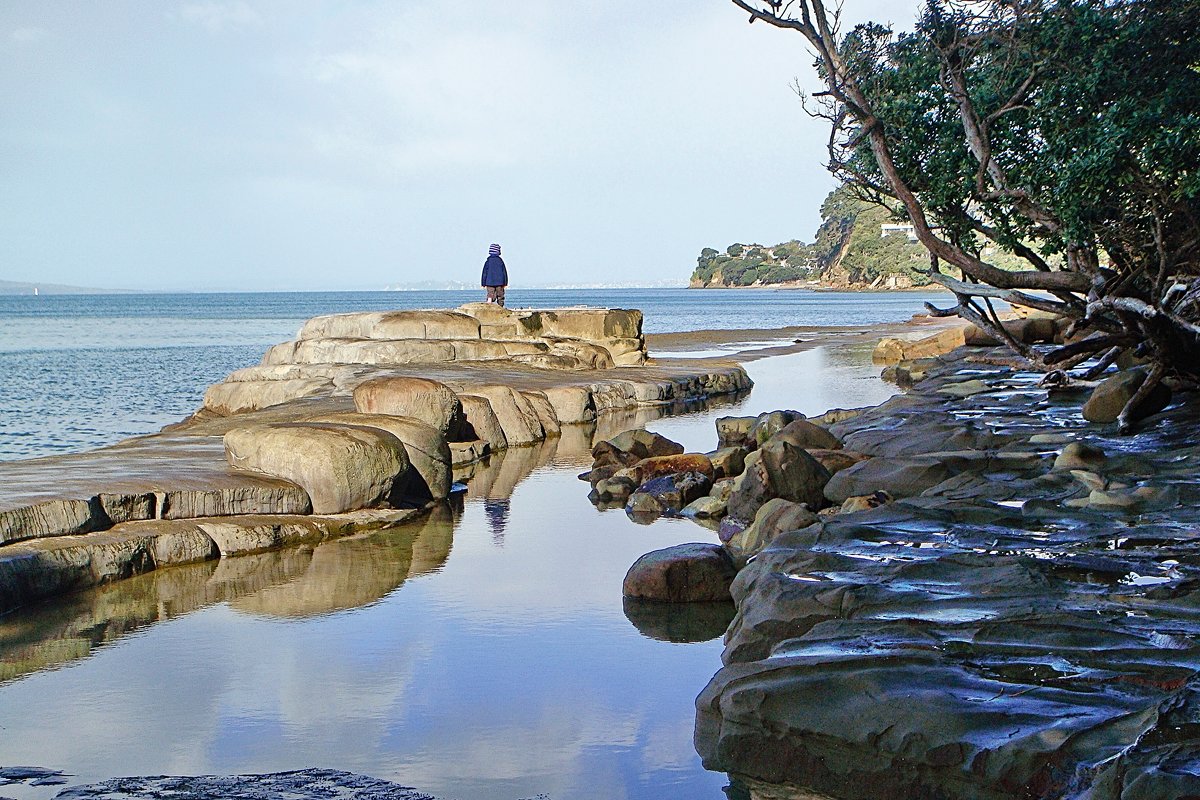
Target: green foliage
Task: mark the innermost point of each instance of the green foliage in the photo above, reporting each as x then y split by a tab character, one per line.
1106	140
849	238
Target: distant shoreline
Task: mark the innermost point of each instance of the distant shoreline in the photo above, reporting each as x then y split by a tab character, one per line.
822	287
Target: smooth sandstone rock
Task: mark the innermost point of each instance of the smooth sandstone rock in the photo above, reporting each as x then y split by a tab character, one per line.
480	421
687	573
242	396
342	467
572	405
428	452
35	570
1110	397
707	507
771	423
517	417
728	462
463	453
545	412
893	351
431	402
836	460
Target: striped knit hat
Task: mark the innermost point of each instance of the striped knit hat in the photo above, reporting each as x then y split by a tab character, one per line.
493	250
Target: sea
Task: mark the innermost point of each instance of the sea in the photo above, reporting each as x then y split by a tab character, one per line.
82	371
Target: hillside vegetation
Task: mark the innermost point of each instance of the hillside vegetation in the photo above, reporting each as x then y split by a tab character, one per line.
849	251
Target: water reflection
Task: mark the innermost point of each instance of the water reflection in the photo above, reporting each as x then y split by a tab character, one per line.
293	582
512	671
679	622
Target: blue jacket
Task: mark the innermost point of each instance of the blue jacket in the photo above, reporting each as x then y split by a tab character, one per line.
494	272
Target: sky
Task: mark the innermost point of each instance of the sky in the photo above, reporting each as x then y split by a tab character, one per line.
359	144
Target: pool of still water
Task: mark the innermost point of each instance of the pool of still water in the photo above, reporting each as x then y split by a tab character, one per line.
483	652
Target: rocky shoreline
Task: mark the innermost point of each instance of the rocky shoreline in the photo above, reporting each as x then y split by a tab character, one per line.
355	426
977	589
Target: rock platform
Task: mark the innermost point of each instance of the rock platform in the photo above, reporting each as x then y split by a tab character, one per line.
1018	618
355	426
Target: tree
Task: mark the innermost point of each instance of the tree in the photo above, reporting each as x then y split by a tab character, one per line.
1067	131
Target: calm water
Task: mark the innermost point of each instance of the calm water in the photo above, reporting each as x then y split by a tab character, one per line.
80	371
484	653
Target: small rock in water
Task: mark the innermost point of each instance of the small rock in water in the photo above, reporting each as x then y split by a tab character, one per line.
1078	455
308	784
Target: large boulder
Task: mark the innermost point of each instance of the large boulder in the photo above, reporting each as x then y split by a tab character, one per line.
431	402
803	433
237	397
517	416
771	423
428	453
645	444
341	467
571	404
545	412
1109	398
686	573
773	518
778	469
893	351
480	422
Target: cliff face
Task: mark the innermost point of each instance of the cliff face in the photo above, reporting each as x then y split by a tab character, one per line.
857	246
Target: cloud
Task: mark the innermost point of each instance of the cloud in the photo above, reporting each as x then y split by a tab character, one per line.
219	17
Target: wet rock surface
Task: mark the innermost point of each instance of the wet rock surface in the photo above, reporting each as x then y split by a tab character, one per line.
1010	630
310	784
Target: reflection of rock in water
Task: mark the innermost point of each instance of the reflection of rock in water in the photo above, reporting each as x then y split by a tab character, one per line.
294	581
434	538
341	574
679	622
309	784
498	475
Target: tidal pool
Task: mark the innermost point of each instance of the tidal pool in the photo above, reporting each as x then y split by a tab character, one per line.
482	652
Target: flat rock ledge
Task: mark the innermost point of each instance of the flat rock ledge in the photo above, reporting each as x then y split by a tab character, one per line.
337	433
1020	622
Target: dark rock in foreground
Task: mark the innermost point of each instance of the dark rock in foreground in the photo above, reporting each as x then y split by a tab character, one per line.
309	784
1009	631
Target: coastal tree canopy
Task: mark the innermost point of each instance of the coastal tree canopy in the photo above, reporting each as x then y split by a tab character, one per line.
1067	131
